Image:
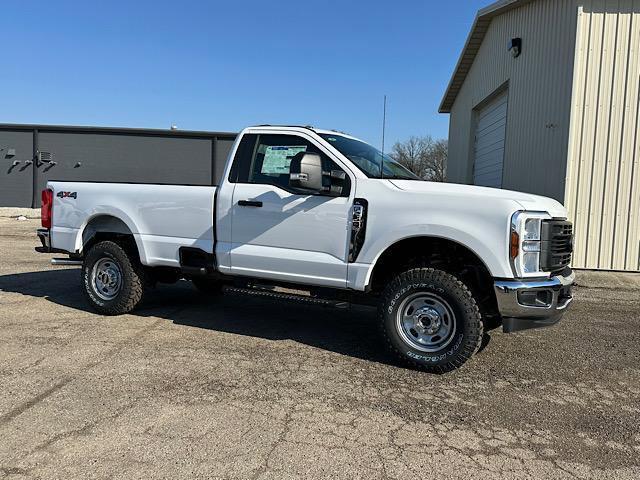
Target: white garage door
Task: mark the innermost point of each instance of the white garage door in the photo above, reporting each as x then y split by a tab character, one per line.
488	151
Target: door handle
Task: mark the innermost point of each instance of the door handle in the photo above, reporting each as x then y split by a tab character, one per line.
250	203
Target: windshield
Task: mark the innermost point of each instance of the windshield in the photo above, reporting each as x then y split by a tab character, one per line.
368	158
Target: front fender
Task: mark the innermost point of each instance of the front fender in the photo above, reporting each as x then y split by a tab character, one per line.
492	255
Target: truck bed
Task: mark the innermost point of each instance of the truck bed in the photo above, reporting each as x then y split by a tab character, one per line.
162	218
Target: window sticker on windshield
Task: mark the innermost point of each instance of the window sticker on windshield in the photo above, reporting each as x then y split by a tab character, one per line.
277	159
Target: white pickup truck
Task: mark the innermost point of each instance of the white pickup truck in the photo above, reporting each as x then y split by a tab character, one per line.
324	212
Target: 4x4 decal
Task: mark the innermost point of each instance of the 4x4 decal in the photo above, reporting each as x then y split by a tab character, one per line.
73	195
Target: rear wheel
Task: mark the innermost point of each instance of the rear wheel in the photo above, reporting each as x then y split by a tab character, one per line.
430	320
114	282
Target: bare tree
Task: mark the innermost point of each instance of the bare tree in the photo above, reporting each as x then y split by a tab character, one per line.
424	156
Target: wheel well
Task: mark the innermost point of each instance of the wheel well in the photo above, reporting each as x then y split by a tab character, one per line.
442	254
107	227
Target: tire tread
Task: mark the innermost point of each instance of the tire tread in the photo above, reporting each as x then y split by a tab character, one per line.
129	297
472	341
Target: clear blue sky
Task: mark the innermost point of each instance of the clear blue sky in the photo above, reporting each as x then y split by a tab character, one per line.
207	65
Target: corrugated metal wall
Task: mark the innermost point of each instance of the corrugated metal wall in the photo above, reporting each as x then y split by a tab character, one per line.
603	175
539	83
573	125
105	155
16	171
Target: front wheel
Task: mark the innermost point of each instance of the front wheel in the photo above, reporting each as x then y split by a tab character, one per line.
113	282
430	320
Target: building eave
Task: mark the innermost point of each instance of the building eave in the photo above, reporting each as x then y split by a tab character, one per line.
472	46
154	132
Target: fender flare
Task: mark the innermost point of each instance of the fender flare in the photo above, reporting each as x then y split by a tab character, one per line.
488	258
104	211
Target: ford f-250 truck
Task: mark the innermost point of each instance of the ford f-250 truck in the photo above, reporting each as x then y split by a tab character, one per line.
325	212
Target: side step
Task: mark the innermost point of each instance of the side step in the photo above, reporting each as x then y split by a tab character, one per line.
289	297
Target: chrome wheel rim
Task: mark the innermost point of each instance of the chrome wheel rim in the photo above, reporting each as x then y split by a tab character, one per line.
106	278
426	322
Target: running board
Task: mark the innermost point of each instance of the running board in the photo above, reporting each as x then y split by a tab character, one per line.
290	297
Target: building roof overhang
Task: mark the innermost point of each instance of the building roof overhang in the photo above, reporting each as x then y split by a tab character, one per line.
472	46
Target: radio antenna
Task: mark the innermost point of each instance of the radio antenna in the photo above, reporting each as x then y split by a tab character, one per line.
384	126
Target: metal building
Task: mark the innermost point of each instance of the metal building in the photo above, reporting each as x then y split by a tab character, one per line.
545	98
30	155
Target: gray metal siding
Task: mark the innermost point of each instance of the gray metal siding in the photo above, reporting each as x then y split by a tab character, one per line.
574	114
221	154
16	182
491	122
540	83
107	155
603	178
126	158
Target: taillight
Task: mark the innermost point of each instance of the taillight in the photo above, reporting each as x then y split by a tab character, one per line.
46	208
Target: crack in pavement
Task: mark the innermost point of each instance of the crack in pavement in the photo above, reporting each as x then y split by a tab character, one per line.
11	414
7	417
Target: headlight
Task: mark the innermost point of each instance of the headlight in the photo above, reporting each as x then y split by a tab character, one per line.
525	245
532	228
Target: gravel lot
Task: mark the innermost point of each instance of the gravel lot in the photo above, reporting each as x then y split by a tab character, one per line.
238	387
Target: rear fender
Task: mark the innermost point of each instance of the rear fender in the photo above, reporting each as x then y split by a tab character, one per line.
109	220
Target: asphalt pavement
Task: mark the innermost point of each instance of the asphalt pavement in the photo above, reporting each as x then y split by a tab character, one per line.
236	387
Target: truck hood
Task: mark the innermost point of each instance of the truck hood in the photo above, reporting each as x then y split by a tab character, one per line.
527	201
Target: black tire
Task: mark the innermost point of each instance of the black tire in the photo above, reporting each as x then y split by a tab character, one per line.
460	320
207	286
131	285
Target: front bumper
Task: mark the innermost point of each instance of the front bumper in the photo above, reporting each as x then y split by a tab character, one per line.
526	304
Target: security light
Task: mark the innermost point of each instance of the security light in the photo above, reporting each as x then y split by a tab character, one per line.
515	47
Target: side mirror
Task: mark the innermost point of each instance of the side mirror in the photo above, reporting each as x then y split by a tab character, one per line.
338	179
306	172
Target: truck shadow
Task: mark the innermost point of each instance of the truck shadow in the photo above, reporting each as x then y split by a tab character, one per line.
351	332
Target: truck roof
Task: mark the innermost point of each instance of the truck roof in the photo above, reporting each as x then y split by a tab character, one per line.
297	128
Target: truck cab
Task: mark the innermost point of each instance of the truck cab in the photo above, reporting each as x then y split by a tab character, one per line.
326	212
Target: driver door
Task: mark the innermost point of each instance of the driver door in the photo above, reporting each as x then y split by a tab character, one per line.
280	234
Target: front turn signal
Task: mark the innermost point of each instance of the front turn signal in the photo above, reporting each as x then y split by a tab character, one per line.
514	245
